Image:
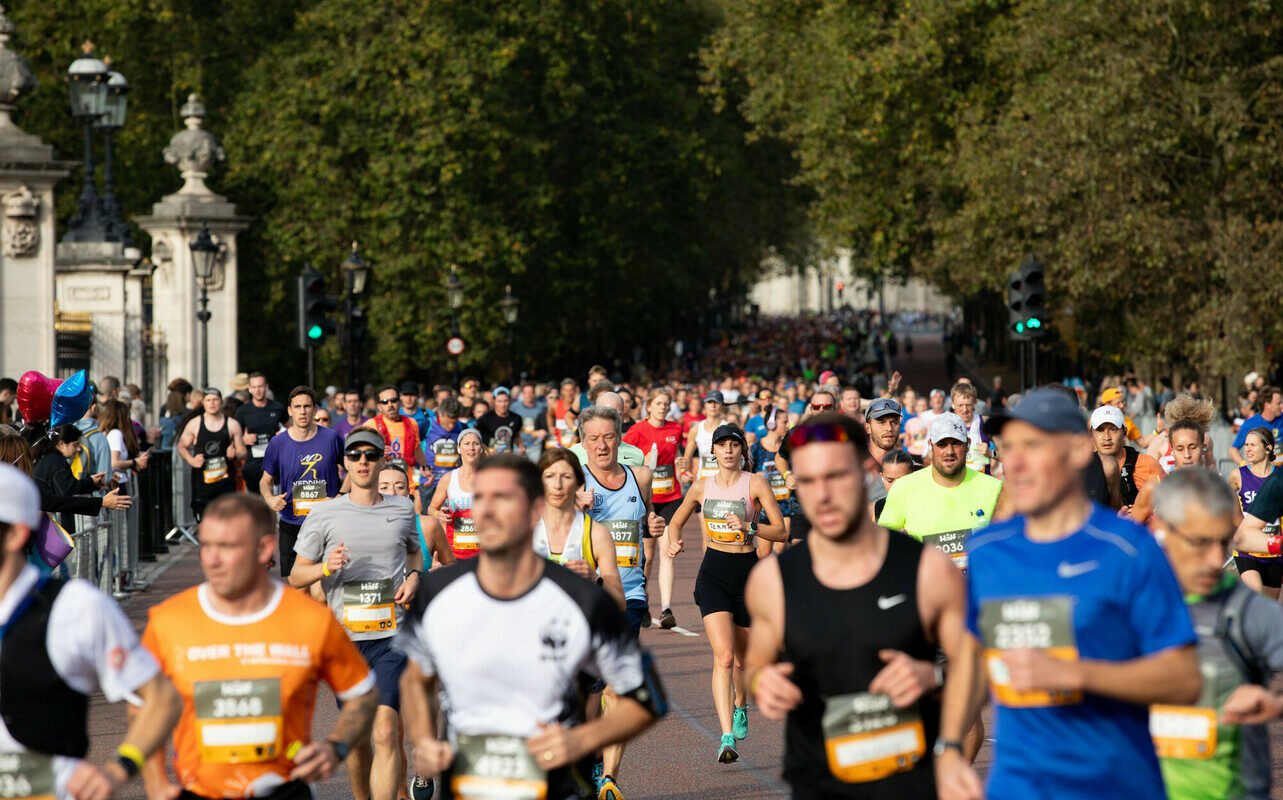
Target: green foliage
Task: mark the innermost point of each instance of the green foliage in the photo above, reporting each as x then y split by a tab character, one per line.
565	148
1134	145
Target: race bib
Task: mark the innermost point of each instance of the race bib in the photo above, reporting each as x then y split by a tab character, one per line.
445	454
715	526
26	775
707	466
951	543
1041	623
866	738
664	480
368	606
464	531
306	494
628	536
496	768
1183	731
238	721
215	469
776	480
259	448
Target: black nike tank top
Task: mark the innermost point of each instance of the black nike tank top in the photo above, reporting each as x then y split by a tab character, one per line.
832	638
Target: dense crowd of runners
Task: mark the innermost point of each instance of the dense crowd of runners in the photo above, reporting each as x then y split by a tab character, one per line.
469	569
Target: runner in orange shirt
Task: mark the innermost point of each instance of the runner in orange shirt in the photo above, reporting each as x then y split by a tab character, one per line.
246	655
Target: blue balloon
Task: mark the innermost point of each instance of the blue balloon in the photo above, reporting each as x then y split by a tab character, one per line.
71	400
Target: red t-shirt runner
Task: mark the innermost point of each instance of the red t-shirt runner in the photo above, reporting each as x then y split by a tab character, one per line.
664	486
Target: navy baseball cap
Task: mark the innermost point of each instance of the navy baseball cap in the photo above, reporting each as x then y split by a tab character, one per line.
728	431
883	407
1048	410
715	396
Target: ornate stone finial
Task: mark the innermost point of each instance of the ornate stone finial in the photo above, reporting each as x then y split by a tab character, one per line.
16	77
194	150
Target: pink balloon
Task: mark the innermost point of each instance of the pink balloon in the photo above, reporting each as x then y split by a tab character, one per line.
35	395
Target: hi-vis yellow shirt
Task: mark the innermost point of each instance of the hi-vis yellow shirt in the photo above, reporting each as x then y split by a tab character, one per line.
248	685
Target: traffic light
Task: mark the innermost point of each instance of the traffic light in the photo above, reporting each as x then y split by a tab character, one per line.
841	287
313	306
1026	301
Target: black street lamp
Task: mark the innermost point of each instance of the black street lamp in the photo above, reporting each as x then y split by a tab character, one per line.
112	120
204	257
357	274
509	306
87	86
454	296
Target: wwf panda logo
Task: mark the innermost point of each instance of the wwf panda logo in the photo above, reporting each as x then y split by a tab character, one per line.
552	641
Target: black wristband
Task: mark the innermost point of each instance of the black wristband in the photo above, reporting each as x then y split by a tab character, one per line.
340	749
128	765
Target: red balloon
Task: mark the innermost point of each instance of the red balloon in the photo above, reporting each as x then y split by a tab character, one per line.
35	395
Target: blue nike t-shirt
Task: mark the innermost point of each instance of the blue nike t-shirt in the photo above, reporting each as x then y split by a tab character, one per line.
1103	593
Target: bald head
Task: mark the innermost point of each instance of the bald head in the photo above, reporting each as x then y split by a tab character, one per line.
611	400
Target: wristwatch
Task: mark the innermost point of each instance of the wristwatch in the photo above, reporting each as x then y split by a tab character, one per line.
341	749
946	744
939	675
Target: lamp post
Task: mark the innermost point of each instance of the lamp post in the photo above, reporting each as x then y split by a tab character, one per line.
87	86
509	305
204	256
454	295
112	120
357	274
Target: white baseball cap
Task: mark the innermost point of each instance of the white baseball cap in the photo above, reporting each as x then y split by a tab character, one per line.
19	498
947	426
1111	414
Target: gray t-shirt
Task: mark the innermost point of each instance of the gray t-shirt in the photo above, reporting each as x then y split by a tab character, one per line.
378	539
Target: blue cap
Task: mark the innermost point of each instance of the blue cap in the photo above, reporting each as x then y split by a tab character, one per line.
1049	410
883	407
498	390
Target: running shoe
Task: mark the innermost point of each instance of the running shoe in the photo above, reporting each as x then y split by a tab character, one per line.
666	620
726	755
739	722
422	788
646	618
607	789
598	770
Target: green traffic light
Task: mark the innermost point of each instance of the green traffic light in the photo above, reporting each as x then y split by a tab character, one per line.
1033	322
315	332
1019	327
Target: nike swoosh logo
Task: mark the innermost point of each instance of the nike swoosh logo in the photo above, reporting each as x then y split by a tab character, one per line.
1067	570
891	602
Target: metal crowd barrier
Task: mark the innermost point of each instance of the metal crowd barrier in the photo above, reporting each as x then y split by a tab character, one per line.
110	548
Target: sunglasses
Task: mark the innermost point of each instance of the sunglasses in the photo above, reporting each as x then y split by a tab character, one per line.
803	435
822	407
322	419
364	453
388	402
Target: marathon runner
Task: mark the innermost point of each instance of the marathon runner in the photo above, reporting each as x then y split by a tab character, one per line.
945	504
658	438
1184	408
305	461
514	723
699	440
1259	530
408	393
394	482
1133	468
1076	617
400	434
1260	571
63	642
848	660
979	445
1217	747
895	465
209	444
534	420
260	420
501	428
1269	415
619	497
569	536
1186	439
562	412
440	449
629	455
1113	396
728	504
882	424
363	549
764	455
350	414
451	506
246	656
